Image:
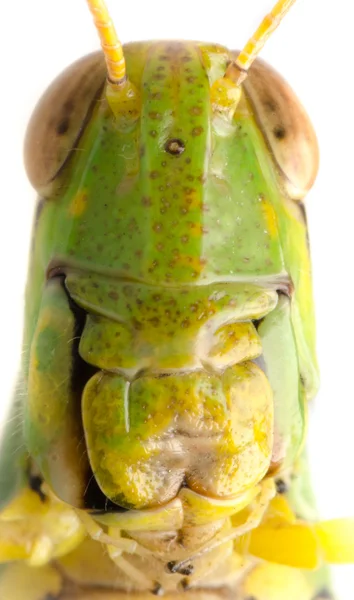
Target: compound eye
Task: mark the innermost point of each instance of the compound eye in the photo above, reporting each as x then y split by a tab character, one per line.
286	127
60	117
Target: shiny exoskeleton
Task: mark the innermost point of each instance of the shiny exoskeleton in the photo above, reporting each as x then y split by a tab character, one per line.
169	344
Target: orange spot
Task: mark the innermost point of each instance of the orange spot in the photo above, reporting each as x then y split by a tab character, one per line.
79	204
193	262
193	199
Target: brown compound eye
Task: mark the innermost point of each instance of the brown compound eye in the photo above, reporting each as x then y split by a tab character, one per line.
286	127
59	118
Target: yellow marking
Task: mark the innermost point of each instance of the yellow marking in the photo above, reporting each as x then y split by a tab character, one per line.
225	96
268	582
284	540
270	217
124	100
293	545
111	45
78	204
193	200
186	260
280	511
336	538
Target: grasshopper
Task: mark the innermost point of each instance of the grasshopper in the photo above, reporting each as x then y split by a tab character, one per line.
157	445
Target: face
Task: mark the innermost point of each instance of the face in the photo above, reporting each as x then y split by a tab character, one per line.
161	244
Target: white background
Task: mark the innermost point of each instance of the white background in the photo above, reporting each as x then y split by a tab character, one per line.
313	50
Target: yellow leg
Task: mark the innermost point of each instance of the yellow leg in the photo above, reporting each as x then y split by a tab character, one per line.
38	530
252	521
116	546
97	533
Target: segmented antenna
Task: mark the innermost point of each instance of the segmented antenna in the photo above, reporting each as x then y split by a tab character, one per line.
237	71
111	46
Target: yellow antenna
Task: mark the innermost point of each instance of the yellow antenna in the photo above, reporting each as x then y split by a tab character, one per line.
111	45
121	94
237	70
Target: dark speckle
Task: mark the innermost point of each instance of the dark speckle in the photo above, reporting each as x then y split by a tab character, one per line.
35	483
187	570
281	486
279	132
63	126
157	590
175	146
270	105
197	131
113	295
172	566
196	110
155	116
137	325
184	584
155	96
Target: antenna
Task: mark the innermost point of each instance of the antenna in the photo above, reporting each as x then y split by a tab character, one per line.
237	71
111	45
